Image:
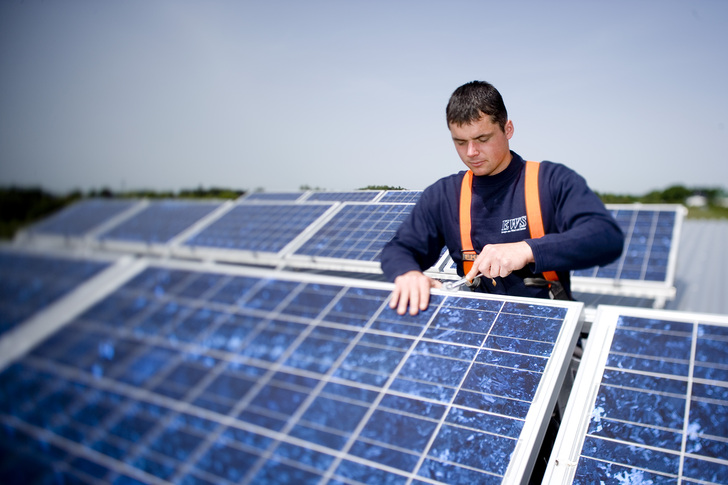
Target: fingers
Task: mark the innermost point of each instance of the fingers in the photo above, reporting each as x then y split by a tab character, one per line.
500	260
394	300
411	291
474	271
423	295
416	293
414	302
492	266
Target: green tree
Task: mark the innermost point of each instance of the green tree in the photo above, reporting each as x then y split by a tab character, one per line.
676	194
381	187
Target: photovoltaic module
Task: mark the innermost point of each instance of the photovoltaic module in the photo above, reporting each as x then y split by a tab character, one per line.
160	221
80	218
233	375
647	249
356	232
398	196
650	402
259	227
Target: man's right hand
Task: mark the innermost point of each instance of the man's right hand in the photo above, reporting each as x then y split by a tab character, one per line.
412	289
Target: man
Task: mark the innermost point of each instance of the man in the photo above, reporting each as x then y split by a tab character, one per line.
579	231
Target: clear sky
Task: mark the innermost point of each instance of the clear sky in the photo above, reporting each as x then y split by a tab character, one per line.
171	94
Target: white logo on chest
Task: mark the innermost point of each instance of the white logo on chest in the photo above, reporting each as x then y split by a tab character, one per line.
513	225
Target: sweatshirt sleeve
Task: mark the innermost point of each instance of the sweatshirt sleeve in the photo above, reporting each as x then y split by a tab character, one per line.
580	231
418	241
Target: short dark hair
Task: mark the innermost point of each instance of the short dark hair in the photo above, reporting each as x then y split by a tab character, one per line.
471	101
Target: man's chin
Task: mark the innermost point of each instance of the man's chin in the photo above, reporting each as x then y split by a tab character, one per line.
479	170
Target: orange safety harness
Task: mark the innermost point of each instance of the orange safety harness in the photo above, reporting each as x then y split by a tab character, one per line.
533	215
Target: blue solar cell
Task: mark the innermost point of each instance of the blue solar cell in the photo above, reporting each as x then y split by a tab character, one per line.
517	361
644	382
634	461
81	217
29	283
160	221
481	450
703	469
524	346
637	433
480	420
356	232
173	377
253	227
648	408
711	372
709	350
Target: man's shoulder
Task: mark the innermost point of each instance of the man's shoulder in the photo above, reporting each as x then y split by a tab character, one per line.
557	166
557	172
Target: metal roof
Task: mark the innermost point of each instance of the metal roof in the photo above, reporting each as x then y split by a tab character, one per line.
702	268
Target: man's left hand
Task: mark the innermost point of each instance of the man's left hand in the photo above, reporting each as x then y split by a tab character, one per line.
501	260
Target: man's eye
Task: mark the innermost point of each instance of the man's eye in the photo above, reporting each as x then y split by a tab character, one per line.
482	140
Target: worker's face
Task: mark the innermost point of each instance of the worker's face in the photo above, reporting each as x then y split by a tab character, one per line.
482	145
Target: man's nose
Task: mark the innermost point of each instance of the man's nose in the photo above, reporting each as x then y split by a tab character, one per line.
472	149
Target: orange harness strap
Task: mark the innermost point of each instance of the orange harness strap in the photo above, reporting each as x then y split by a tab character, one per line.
533	209
466	195
533	214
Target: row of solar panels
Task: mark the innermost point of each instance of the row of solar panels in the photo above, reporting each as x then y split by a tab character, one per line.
344	235
385	196
134	371
338	231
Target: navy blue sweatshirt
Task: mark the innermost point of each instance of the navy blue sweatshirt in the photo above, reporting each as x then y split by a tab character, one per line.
579	231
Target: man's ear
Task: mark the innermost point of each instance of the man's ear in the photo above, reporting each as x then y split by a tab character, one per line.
509	129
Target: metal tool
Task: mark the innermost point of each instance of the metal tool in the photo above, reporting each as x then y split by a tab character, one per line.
454	285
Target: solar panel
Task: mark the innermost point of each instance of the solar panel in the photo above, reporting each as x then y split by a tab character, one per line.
160	221
649	403
647	264
648	241
80	218
259	227
274	196
356	232
30	282
356	196
234	375
399	196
